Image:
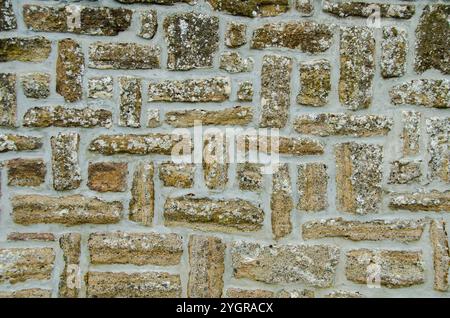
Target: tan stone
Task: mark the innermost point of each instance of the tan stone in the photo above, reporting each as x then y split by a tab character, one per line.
394	49
421	201
20	236
305	7
148	24
70	70
312	185
101	87
344	294
65	164
14	142
404	171
108	176
8	100
25	49
281	203
411	132
215	161
305	293
344	9
249	293
251	9
250	176
177	175
70	280
438	130
130	101
142	206
27	293
441	254
422	92
282	145
245	91
7	17
236	34
26	172
315	83
36	85
233	62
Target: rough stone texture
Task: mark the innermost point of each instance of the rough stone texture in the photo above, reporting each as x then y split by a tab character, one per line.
340	124
24	49
281	203
207	266
312	185
239	115
421	201
233	62
236	34
101	87
376	230
344	9
403	171
441	254
344	294
22	264
305	36
108	176
7	17
275	90
77	19
132	285
69	70
26	172
438	130
423	92
411	132
70	280
60	116
215	164
192	40
68	210
135	248
315	83
14	142
36	85
8	100
154	118
358	177
177	175
394	49
213	215
433	39
192	90
357	67
18	236
142	206
253	293
123	56
65	164
281	145
251	9
149	24
314	265
305	293
249	176
396	268
130	102
305	7
27	293
245	91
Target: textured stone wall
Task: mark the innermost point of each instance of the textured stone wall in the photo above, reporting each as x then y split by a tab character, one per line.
94	205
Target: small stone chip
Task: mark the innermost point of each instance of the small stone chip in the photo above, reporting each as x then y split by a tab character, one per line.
395	269
68	210
421	201
142	204
411	132
135	248
250	176
177	175
29	49
312	185
36	85
251	9
130	101
315	83
441	254
8	100
344	9
404	172
101	87
281	203
153	118
149	24
423	92
394	49
108	176
70	244
245	91
13	142
26	172
192	40
236	34
438	129
70	70
7	17
65	165
314	265
213	215
232	62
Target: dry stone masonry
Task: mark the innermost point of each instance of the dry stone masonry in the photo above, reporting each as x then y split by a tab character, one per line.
345	104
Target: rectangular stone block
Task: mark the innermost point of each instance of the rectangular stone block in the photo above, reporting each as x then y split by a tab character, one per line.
394	48
441	254
70	70
315	83
411	132
65	165
438	130
25	49
281	203
215	161
434	201
130	101
142	206
295	146
8	100
422	92
21	236
312	185
251	9
26	172
7	17
15	142
27	293
177	175
107	176
344	9
250	176
70	278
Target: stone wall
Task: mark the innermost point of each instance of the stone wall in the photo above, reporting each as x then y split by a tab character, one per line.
97	96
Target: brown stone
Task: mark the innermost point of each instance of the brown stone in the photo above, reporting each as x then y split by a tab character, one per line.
441	254
69	70
108	176
251	9
101	87
421	201
178	175
8	100
27	293
281	145
411	132
250	176
20	236
394	49
70	278
29	49
215	162
236	34
249	293
422	92
142	194
148	24
7	17
438	129
233	62
344	9
312	185
315	83
130	101
26	172
281	203
36	85
65	165
13	142
305	7
245	91
404	171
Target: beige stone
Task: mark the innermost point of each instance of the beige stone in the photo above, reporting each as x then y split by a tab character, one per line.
421	201
179	175
107	176
142	202
441	254
312	185
281	203
26	172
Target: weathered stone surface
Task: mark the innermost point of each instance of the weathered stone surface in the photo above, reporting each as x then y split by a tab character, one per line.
207	266
315	83
305	293
8	100
108	176
249	293
148	24
366	9
357	68
192	40
404	171
70	280
153	118
281	145
251	9
68	210
29	49
216	89
101	87
438	129
312	185
358	177
375	230
441	254
178	175
132	285
60	116
156	143
341	124
27	293
305	36
70	70
314	265
433	39
423	92
275	90
77	19
127	56
250	176
36	85
215	161
142	194
162	2
344	294
130	101
245	91
396	268
233	62
20	236
236	34
135	248
421	201
281	203
213	215
411	132
7	17
65	165
13	142
26	172
394	48
305	7
239	115
22	264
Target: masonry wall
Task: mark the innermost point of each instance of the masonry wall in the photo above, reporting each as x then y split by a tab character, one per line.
95	96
